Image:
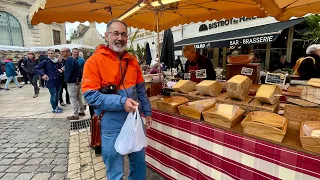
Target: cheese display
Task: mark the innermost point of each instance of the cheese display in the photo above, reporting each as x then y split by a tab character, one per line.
265	125
311	94
194	109
315	133
224	115
207	87
171	104
310	140
184	86
268	93
314	82
238	87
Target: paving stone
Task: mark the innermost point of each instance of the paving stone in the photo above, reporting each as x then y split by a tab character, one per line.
99	166
8	145
9	176
87	174
62	156
73	174
24	176
60	161
63	145
47	161
22	150
74	160
2	155
3	168
52	145
155	176
29	168
42	176
43	145
6	161
33	145
1	174
9	150
37	155
100	174
14	169
19	161
73	167
34	161
45	168
74	154
48	150
60	169
85	154
61	150
12	155
24	155
49	155
21	145
35	150
58	177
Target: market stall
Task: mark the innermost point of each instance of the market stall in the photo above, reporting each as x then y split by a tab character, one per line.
236	130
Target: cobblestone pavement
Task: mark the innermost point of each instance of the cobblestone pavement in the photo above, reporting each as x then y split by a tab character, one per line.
34	149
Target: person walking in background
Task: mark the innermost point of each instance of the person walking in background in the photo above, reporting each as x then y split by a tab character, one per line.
28	65
1	73
73	80
42	57
22	71
64	84
81	61
50	70
10	73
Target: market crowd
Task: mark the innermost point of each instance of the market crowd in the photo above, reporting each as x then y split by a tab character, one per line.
56	70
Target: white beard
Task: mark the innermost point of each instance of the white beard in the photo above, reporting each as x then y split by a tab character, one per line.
117	48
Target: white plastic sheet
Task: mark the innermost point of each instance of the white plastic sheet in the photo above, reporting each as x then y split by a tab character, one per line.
132	137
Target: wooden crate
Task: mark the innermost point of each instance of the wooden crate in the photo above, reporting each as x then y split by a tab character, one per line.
296	115
248	105
308	142
186	110
265	125
171	104
212	117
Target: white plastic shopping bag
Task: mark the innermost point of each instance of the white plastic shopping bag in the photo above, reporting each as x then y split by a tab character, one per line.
132	137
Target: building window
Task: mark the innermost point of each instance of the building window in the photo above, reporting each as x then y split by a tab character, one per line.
10	30
56	37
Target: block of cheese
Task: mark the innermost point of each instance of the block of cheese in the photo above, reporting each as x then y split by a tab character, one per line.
314	82
238	87
207	87
194	109
226	110
268	93
315	133
184	86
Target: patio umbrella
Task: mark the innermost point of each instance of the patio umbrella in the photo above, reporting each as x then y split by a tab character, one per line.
148	54
49	11
167	50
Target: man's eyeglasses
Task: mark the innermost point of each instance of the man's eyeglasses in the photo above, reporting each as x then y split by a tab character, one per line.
116	34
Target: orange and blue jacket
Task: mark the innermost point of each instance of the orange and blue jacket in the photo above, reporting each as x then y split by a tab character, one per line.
104	68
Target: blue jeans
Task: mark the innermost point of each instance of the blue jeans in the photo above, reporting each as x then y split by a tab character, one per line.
115	162
9	79
54	92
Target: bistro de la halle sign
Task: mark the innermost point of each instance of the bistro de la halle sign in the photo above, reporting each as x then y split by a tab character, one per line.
233	42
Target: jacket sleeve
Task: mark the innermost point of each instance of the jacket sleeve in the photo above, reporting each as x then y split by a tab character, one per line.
24	64
306	69
211	73
38	69
91	83
68	70
142	94
12	68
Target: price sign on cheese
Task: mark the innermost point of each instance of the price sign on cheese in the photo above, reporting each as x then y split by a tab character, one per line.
186	76
246	71
276	78
201	74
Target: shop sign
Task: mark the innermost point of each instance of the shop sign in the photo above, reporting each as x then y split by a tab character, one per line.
246	71
253	40
276	78
201	74
222	23
201	46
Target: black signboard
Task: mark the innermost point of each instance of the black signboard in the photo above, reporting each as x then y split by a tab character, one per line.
276	78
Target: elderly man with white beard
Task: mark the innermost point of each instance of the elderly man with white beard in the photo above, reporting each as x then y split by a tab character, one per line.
113	84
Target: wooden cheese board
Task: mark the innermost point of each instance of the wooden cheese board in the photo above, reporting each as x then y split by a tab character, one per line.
195	109
171	104
250	104
265	125
308	142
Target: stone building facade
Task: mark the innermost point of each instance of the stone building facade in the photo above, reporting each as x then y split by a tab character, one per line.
15	30
87	35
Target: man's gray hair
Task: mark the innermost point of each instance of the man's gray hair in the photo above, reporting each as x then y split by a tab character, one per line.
113	21
51	49
312	48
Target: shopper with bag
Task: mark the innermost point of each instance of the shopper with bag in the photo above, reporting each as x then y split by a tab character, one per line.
113	84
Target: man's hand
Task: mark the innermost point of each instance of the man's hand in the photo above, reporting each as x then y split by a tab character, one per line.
148	121
45	77
60	70
130	105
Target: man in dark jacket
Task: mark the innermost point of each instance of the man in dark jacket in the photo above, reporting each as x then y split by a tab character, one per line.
72	78
196	62
28	64
310	66
22	71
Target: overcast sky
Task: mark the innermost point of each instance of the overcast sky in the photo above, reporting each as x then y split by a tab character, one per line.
73	26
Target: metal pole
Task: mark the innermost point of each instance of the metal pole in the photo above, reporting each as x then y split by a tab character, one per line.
158	35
